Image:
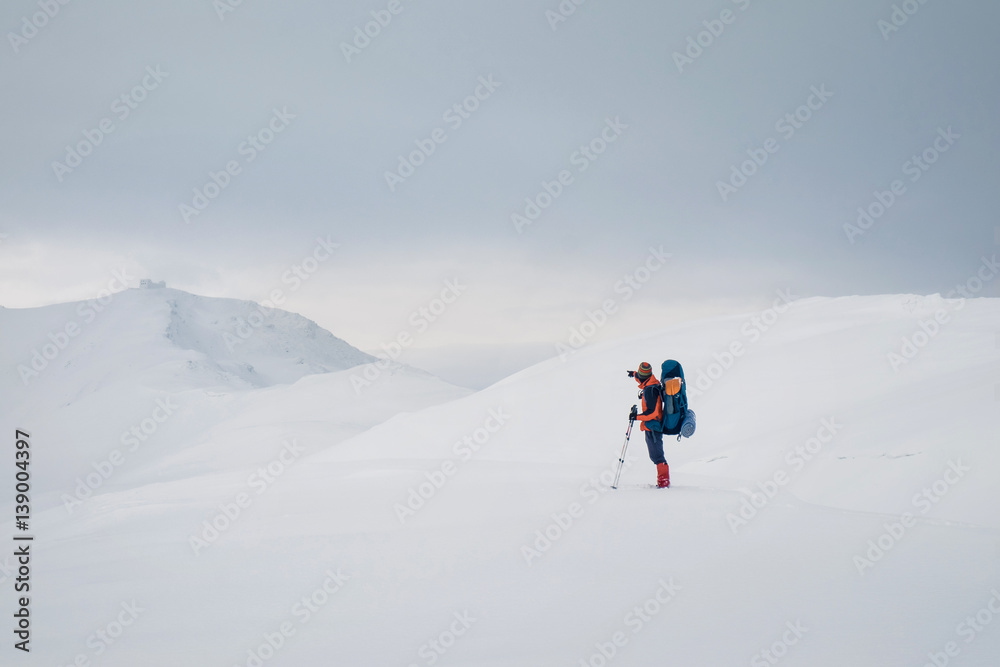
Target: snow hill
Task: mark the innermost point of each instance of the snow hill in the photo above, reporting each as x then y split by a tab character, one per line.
837	505
148	367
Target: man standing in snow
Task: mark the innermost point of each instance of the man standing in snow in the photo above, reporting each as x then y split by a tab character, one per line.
651	419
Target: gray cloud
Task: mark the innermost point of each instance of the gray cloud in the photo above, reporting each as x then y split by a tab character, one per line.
325	174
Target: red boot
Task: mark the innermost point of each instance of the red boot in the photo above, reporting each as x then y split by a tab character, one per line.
662	475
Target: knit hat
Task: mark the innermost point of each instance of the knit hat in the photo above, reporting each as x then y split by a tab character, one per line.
645	370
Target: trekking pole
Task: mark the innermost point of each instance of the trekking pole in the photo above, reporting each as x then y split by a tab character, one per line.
621	459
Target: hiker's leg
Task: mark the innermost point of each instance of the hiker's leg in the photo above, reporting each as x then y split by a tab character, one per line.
654	443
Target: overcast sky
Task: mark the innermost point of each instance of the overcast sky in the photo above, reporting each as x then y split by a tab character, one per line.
666	121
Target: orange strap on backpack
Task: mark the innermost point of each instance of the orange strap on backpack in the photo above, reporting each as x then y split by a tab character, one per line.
672	387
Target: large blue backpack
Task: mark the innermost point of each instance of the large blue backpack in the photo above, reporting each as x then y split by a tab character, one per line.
678	418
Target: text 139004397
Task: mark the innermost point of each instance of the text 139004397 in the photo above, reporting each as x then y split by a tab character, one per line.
22	541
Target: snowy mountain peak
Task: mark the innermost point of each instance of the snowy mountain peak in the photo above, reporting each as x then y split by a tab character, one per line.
263	346
165	338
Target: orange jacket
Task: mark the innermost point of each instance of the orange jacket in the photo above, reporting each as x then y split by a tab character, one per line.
652	403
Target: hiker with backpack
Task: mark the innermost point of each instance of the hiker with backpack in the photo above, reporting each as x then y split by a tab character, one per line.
651	420
664	412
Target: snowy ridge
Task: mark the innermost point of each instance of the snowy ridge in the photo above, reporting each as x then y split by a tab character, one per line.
159	333
261	346
827	490
163	365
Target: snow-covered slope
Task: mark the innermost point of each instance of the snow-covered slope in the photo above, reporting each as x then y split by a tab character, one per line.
164	336
159	373
832	509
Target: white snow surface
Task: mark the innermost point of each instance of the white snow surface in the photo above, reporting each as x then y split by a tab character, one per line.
474	548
